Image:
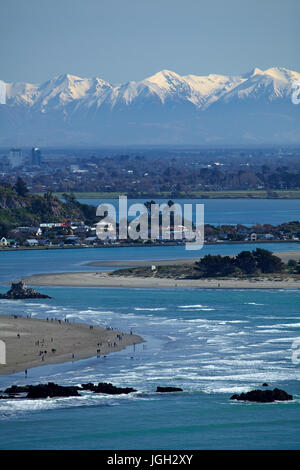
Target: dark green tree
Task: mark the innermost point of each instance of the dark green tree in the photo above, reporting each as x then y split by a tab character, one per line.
267	262
246	262
49	195
21	187
215	265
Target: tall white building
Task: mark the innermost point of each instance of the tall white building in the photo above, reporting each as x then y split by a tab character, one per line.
15	158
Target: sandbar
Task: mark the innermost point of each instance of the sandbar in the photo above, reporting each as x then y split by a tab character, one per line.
103	279
41	342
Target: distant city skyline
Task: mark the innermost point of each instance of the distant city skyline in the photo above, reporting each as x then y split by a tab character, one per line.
121	40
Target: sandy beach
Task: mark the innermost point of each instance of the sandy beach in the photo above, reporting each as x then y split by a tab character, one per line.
287	255
101	279
44	342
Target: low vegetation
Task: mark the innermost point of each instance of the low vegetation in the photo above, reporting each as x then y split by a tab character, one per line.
246	264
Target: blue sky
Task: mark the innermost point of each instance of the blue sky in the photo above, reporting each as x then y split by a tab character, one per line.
122	40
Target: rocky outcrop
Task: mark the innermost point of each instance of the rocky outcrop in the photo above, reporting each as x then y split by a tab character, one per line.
263	396
168	389
107	388
17	389
19	290
51	390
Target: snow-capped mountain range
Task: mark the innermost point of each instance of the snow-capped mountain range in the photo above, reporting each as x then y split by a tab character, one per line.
165	108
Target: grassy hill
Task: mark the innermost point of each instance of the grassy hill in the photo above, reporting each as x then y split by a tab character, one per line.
31	209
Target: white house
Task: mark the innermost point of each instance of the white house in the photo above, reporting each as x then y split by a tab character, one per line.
3	242
31	242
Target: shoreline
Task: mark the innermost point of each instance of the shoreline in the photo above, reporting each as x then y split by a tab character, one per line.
212	194
60	339
102	279
133	245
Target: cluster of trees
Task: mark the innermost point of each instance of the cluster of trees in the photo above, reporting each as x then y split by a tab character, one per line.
246	262
21	187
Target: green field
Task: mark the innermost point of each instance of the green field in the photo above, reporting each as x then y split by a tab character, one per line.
253	194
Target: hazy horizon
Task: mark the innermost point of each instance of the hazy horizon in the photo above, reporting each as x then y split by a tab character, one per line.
121	41
122	52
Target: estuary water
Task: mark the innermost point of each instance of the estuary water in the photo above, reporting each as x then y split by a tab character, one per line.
230	211
17	264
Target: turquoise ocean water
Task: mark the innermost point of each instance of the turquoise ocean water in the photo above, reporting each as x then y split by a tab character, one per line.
211	343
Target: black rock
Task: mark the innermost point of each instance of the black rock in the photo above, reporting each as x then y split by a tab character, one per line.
19	290
17	389
168	389
107	388
51	390
89	386
265	384
263	396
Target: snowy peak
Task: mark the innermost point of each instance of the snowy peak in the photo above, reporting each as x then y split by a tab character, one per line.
67	90
63	89
164	78
253	72
164	108
256	71
199	90
264	86
67	78
22	93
